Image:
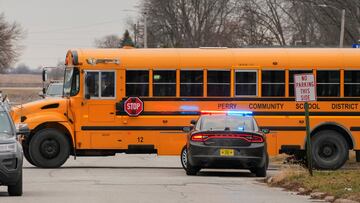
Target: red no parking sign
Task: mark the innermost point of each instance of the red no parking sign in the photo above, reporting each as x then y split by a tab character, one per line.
133	106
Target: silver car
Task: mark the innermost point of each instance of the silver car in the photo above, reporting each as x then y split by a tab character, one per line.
11	153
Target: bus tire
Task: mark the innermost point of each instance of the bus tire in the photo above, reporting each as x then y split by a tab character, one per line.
183	157
27	153
329	150
49	148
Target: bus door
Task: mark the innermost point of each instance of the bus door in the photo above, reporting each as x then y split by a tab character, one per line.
98	108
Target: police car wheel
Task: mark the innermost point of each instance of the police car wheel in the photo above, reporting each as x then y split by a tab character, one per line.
183	157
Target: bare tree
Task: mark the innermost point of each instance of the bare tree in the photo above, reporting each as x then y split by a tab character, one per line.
109	41
234	23
10	34
191	23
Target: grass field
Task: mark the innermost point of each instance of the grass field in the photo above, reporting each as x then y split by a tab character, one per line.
20	80
21	96
20	88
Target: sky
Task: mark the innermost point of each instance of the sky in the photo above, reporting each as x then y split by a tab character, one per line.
53	27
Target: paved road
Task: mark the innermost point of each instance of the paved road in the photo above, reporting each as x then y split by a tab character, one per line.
141	178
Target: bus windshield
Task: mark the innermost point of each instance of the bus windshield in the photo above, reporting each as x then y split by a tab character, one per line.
71	82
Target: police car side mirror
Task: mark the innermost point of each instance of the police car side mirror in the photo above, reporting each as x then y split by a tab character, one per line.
265	131
186	129
193	122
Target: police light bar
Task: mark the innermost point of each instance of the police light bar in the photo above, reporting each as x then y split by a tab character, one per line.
240	113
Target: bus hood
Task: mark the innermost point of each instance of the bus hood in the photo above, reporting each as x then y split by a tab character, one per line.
45	105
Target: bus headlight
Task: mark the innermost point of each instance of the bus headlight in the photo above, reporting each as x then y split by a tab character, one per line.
7	147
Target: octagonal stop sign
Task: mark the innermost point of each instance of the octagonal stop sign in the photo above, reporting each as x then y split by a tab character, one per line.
133	106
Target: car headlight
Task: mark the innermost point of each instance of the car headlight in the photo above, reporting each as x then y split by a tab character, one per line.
8	147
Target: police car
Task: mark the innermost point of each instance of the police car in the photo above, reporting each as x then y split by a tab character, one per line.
225	139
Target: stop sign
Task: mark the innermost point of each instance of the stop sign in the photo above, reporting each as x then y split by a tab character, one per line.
133	106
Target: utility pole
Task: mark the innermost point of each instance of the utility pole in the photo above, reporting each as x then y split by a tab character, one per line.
145	25
135	35
358	17
342	31
145	30
342	28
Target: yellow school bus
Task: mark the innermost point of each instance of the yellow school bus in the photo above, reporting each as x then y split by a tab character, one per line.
172	86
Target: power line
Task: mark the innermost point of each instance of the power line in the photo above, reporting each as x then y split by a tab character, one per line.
73	27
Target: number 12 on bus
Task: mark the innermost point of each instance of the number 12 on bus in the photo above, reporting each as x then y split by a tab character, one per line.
139	101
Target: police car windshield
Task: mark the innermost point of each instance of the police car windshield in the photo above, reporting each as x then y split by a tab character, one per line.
227	122
5	125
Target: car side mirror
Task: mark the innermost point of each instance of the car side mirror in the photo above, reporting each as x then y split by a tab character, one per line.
186	129
193	122
265	131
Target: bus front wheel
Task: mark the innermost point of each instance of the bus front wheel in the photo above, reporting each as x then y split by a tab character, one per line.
329	150
49	148
27	153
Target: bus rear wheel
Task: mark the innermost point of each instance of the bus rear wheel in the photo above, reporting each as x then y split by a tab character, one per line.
329	150
49	148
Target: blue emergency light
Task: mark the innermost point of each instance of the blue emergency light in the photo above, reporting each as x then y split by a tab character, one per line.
240	113
232	113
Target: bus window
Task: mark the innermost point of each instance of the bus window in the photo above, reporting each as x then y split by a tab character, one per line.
328	83
291	79
164	82
352	83
218	83
191	83
107	84
137	83
100	85
273	83
246	83
92	84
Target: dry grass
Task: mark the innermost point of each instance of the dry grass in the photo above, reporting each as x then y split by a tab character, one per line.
21	96
340	183
20	88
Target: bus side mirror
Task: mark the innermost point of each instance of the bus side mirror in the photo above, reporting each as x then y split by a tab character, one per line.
193	122
265	131
44	75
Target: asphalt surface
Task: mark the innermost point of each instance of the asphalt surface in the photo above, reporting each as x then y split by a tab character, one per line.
141	178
